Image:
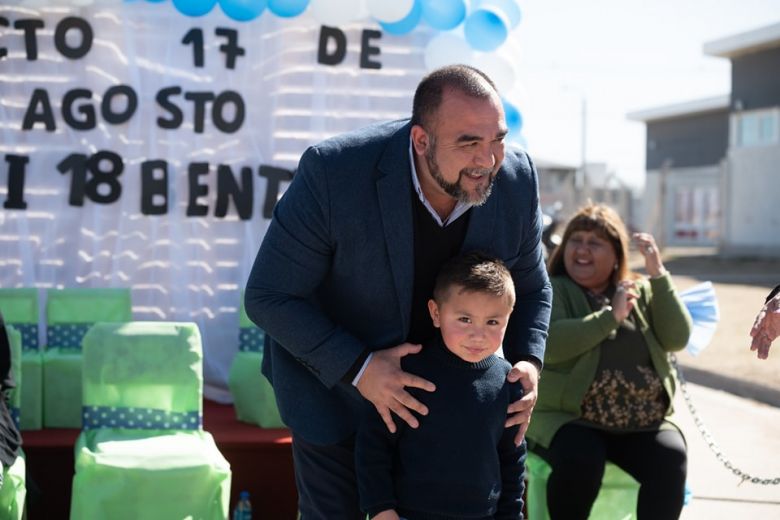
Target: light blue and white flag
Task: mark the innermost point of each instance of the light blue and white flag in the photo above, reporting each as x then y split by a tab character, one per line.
702	304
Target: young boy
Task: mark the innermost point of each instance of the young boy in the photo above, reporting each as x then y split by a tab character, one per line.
460	462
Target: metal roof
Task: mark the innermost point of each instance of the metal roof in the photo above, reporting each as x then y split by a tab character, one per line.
687	108
767	37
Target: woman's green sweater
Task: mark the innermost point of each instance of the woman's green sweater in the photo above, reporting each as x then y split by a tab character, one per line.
576	332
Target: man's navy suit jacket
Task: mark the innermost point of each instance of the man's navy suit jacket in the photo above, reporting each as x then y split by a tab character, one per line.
335	271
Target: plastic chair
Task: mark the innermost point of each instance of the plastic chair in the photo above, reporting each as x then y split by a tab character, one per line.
142	452
253	395
616	499
20	310
69	315
13	492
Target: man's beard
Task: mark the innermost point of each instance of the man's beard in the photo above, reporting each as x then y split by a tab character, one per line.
454	189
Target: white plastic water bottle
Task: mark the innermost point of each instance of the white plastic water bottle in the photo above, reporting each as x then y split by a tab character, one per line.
243	510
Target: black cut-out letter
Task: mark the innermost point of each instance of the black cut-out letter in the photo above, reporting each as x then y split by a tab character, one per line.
197	189
39	98
274	176
107	108
228	188
176	114
339	40
17	165
367	50
61	39
154	188
88	121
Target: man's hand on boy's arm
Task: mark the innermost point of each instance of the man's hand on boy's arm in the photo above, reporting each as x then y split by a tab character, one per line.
527	374
389	514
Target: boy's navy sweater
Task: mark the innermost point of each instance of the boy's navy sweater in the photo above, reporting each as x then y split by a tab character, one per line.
461	462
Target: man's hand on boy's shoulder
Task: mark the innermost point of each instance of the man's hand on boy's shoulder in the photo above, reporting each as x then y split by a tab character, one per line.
527	374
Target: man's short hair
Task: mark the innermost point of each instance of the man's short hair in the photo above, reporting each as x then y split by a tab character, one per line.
474	272
464	78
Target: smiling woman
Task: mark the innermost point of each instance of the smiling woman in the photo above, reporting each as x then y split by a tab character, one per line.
590	260
608	386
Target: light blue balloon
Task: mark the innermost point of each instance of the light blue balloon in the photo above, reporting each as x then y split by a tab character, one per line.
485	30
243	10
287	8
510	8
194	7
514	119
443	14
406	24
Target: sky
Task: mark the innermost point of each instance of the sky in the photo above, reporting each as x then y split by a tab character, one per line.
616	57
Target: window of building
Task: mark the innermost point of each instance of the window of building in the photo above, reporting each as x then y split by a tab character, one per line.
757	127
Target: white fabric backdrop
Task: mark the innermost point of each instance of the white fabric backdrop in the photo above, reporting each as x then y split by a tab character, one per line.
178	267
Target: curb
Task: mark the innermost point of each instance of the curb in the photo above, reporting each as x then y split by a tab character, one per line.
739	387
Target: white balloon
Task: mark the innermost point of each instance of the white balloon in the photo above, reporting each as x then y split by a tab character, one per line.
335	13
389	11
446	49
499	68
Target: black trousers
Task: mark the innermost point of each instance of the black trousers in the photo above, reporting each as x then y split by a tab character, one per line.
326	482
578	454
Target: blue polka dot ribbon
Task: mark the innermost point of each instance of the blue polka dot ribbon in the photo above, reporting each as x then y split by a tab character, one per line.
15	415
29	332
251	339
66	336
122	417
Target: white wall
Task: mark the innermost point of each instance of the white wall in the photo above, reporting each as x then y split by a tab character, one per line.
752	197
657	214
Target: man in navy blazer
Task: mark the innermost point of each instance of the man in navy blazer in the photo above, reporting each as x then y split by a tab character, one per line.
342	277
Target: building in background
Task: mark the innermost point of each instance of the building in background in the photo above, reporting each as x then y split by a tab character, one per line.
564	188
713	165
557	187
686	146
751	181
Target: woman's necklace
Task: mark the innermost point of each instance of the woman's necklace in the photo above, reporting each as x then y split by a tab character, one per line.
600	298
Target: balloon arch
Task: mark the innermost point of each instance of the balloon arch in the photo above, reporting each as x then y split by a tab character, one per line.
471	32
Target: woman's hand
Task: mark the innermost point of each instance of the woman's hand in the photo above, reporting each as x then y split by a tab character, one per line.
623	300
646	245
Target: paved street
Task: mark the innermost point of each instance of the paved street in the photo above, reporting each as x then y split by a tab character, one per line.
748	434
731	392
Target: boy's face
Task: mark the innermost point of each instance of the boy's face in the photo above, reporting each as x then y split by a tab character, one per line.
472	323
